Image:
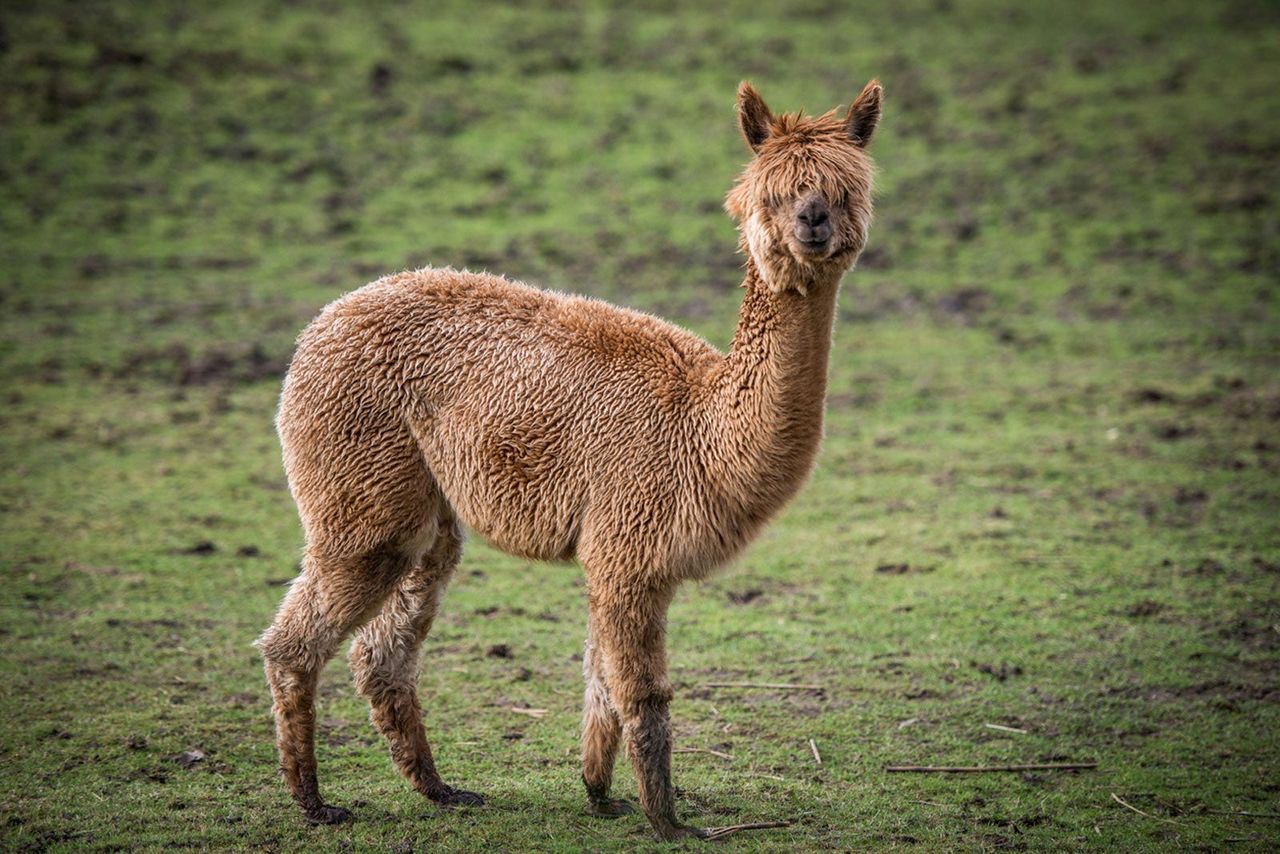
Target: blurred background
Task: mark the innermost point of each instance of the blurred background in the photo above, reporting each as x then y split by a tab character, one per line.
1051	454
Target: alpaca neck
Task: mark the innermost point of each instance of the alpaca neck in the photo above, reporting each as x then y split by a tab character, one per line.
771	389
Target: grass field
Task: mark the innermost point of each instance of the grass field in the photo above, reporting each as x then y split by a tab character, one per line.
1047	501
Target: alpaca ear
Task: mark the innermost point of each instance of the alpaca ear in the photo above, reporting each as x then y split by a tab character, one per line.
864	115
753	116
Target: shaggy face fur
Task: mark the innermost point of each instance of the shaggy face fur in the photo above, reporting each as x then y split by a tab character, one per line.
558	428
804	166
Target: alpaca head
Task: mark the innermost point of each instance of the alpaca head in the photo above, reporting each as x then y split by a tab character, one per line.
803	204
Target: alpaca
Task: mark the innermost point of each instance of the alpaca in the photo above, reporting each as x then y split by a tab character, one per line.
558	427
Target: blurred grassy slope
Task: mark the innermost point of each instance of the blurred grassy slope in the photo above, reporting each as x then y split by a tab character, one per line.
1048	498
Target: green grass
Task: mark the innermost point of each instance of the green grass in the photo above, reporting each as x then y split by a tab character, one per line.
1048	497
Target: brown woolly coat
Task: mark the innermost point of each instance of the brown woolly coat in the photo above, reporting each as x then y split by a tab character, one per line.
555	426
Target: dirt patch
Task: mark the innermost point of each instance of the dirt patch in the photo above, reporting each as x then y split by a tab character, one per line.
1153	395
335	731
1212	690
903	569
887	299
245	700
744	597
516	611
226	365
143	624
999	672
1145	608
875	258
1249	404
863	400
965	228
1189	495
190	757
1246	199
966	303
1206	568
1080	301
380	78
1256	630
1261	564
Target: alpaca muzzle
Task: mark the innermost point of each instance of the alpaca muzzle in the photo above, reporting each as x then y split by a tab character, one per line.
813	225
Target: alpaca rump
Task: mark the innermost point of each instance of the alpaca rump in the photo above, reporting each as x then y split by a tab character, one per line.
558	428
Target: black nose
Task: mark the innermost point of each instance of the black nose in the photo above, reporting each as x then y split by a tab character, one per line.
813	222
813	214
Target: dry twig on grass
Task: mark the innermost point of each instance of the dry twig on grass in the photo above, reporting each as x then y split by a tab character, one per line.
975	769
1006	728
728	830
1130	806
777	686
533	713
719	753
817	757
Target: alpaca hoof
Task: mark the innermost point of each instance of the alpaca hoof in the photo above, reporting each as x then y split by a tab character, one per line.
676	832
610	808
325	814
451	797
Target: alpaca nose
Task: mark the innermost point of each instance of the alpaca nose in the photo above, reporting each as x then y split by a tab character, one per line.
813	222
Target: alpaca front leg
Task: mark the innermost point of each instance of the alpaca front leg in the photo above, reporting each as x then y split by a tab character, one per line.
601	735
647	727
631	628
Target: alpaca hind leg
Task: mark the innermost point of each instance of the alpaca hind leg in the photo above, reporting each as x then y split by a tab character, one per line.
329	599
631	628
601	735
384	660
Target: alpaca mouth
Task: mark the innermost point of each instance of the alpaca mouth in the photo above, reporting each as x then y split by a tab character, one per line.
815	248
